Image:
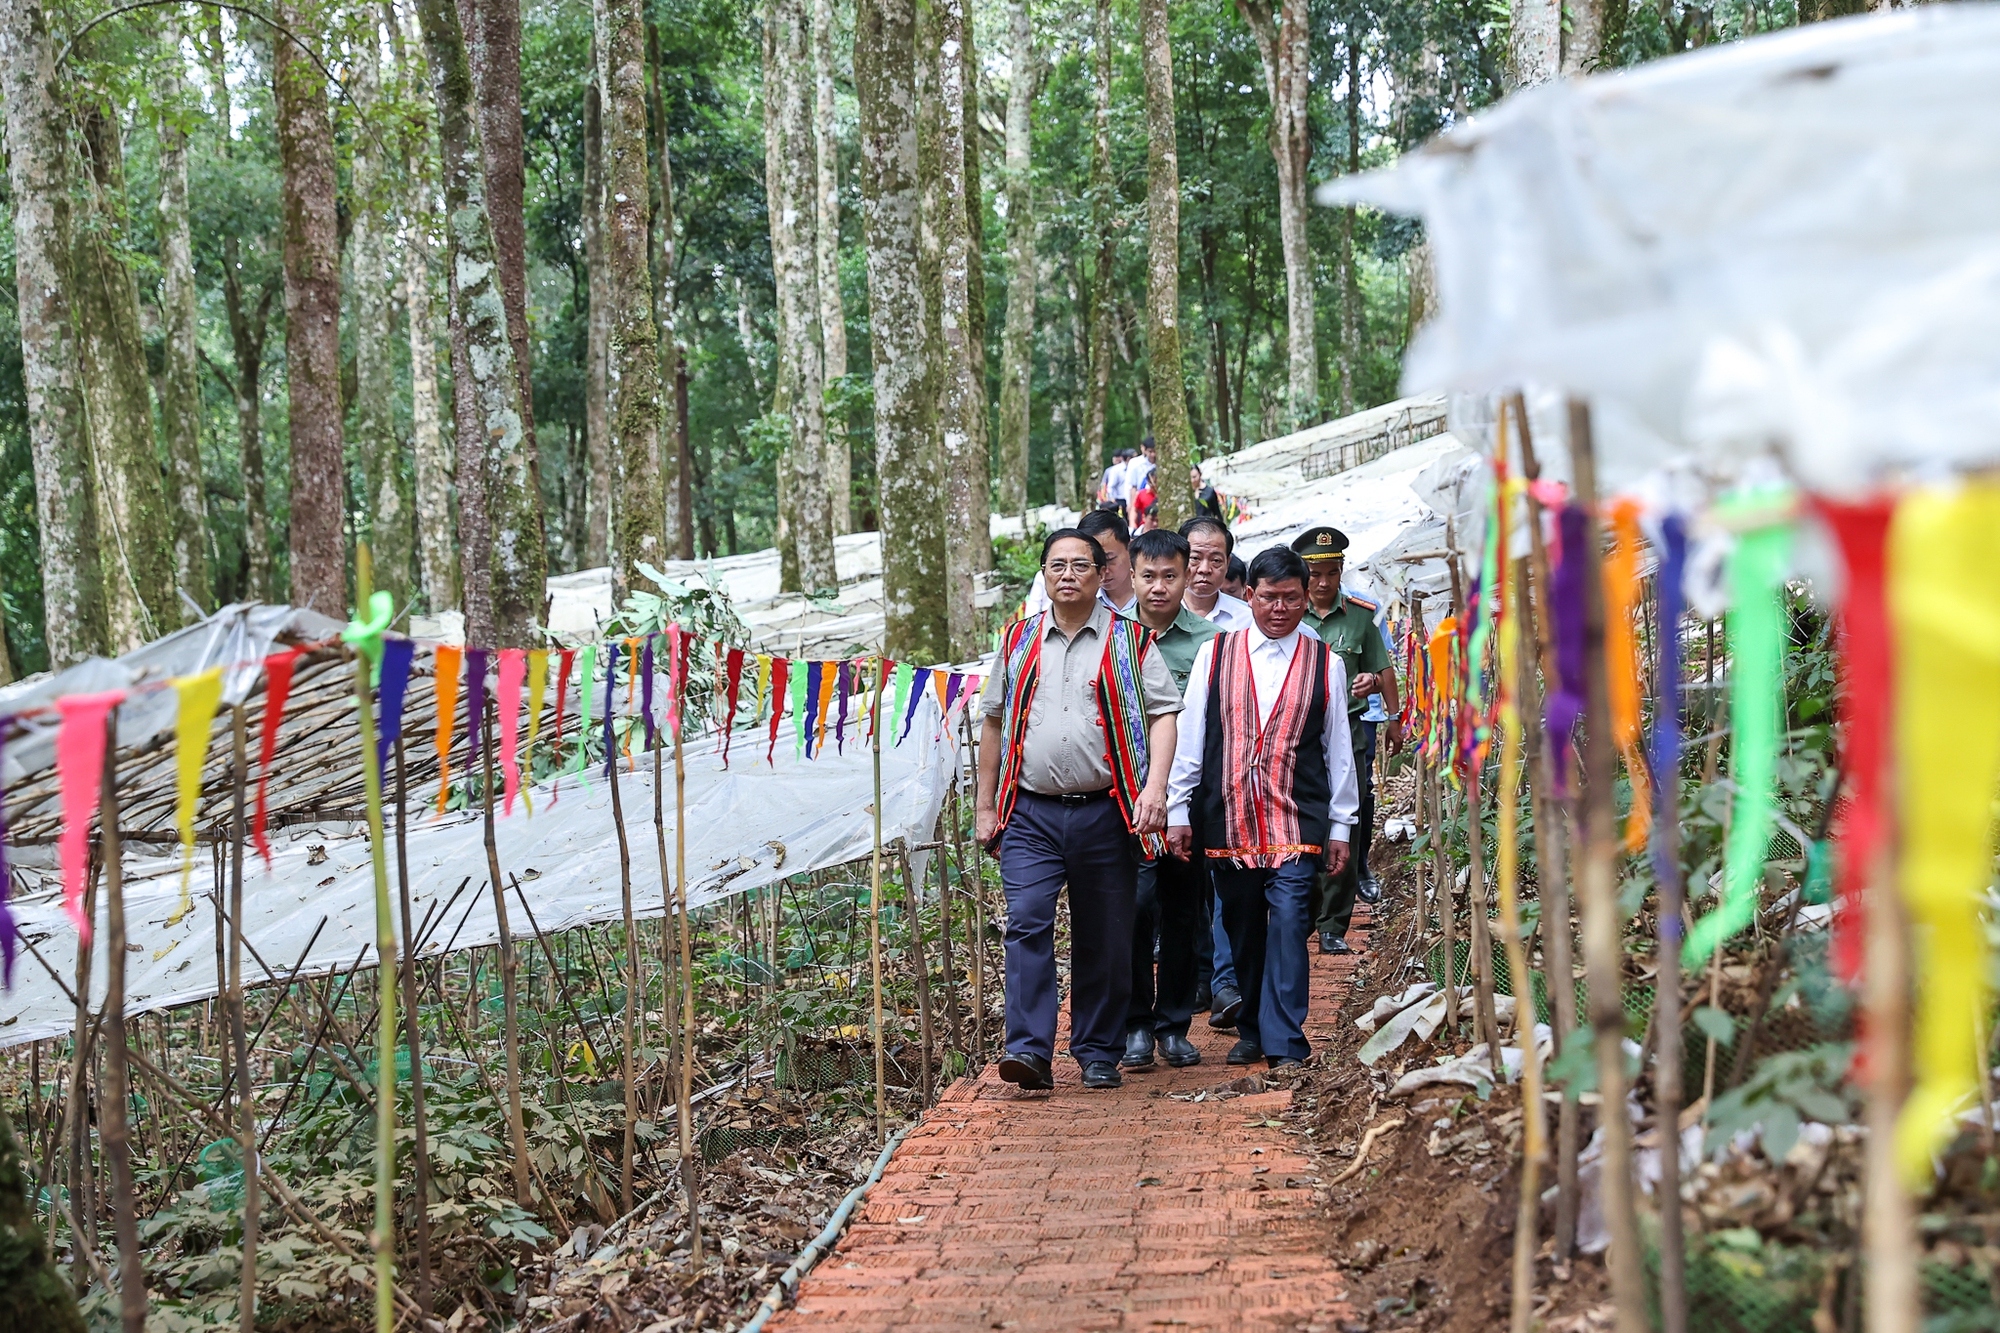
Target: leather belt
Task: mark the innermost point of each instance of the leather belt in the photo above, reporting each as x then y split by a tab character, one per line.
1076	798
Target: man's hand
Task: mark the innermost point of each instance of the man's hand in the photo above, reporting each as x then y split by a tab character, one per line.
1336	857
986	825
1180	842
1365	684
1149	813
1392	735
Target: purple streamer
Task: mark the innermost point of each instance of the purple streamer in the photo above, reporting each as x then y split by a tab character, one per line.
1566	610
646	687
1667	721
843	682
920	680
9	933
395	683
610	707
953	683
475	697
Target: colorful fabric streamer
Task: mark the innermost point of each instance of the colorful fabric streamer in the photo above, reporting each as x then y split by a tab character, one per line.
445	687
1756	627
779	669
567	661
646	680
1868	683
732	675
199	697
920	680
10	934
610	707
1566	626
899	691
1667	714
392	689
513	669
80	772
277	689
892	670
588	679
677	674
800	671
843	687
475	700
1944	595
815	671
538	686
1620	579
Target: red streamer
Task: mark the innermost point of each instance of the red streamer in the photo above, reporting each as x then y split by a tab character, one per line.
277	688
513	666
732	674
781	670
80	767
568	660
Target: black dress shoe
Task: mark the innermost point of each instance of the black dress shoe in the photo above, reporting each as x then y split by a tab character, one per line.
1138	1049
1102	1074
1180	1052
1368	889
1332	943
1202	999
1227	1005
1030	1072
1245	1052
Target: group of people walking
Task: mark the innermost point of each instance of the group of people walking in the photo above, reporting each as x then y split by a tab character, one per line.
1193	764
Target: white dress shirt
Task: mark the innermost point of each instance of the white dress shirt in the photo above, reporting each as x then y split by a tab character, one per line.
1229	613
1270	660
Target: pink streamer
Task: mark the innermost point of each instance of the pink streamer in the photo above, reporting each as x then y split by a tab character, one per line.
676	677
80	767
513	669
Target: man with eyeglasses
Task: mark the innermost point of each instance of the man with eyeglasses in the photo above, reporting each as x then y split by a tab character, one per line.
1077	738
1346	623
1264	768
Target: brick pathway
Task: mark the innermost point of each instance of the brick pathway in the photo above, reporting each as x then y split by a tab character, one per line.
1079	1210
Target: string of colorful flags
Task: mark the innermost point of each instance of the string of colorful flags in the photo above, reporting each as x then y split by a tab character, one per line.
818	696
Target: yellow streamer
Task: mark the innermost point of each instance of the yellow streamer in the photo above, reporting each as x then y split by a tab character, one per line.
538	686
199	698
763	683
1621	663
1944	595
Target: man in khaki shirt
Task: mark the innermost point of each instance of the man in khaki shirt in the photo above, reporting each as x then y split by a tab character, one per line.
1076	742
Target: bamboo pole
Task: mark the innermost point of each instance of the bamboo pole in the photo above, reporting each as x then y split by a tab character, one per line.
1667	1092
246	1105
413	940
914	909
1888	1219
112	1112
1597	895
631	970
944	952
517	1131
684	1103
1447	897
670	1007
73	1135
875	919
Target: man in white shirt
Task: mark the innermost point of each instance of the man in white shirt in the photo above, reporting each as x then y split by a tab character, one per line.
1112	488
1263	784
1210	546
1139	468
1115	536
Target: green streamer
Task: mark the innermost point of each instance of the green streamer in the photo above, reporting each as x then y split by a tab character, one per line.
582	769
1756	629
798	685
905	673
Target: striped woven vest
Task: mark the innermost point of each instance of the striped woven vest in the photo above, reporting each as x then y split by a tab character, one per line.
1264	796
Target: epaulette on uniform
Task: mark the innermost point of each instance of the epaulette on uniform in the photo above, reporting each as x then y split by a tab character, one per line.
1370	607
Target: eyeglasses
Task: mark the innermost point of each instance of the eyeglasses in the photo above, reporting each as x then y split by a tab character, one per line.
1058	568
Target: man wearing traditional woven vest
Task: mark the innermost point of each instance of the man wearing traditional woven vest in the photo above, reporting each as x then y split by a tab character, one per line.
1080	702
1264	766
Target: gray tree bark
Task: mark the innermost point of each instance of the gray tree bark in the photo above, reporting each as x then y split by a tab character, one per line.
387	504
1283	41
65	504
965	463
634	363
493	49
312	325
826	256
907	466
801	370
1017	346
1102	200
676	470
180	398
1535	41
975	304
518	556
1163	265
134	533
597	354
1352	316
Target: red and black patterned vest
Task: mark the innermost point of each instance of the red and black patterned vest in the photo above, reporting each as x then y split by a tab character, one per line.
1264	796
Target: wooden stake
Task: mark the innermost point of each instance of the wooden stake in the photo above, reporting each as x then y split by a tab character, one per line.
670	971
246	1104
117	1086
517	1130
944	951
1888	1219
684	1103
875	919
1447	899
1597	892
412	940
914	910
631	970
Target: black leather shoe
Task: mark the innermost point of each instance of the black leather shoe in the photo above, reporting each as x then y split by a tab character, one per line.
1227	1005
1368	889
1138	1049
1030	1072
1102	1074
1245	1052
1332	943
1202	999
1179	1051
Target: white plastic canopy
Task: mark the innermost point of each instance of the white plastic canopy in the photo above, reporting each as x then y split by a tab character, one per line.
1786	244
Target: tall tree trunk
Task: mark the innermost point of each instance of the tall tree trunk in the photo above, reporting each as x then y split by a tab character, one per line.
826	256
135	537
907	468
1283	40
1103	189
634	364
1076	392
387	503
180	399
1535	42
1351	330
58	443
493	47
1017	345
312	324
597	354
965	463
675	472
1163	265
502	454
801	371
981	525
1583	46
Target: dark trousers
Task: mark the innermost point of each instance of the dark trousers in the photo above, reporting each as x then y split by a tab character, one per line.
1048	844
1333	898
1169	902
1265	913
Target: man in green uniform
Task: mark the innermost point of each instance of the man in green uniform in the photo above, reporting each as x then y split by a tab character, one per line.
1170	891
1346	623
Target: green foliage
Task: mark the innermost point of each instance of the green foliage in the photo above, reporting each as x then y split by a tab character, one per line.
1782	1092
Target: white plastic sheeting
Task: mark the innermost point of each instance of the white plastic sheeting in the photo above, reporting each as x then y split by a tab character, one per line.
747	826
1790	243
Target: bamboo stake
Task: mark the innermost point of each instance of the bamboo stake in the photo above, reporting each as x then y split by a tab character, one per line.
1667	1091
76	1100
684	1103
914	909
631	970
944	950
1597	894
1888	1220
113	1126
670	1007
875	918
1481	943
413	939
1447	898
246	1105
510	1019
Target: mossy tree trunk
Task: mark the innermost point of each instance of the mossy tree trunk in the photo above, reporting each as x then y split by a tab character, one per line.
1163	268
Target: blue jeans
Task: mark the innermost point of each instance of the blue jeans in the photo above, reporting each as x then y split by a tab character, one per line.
1046	845
1266	914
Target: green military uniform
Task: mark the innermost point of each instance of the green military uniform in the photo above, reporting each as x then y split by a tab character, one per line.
1349	629
1180	642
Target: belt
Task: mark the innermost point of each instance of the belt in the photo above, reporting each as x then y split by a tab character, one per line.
1072	799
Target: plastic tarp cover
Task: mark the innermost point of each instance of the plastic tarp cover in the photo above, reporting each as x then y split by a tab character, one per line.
747	826
1788	243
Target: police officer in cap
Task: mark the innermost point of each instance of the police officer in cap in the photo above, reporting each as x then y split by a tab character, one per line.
1346	623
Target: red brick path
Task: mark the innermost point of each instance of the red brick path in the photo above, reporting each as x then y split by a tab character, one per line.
1079	1210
